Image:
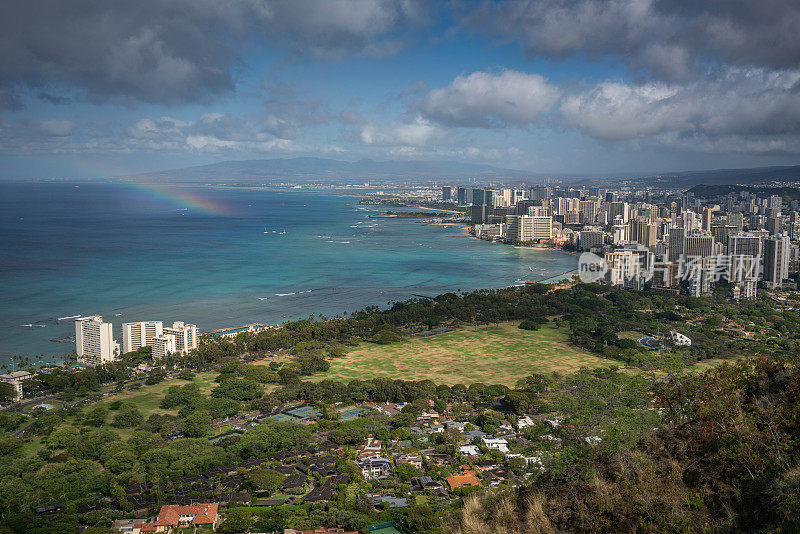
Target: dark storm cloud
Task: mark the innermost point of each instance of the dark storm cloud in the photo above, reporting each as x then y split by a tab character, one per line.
670	38
175	51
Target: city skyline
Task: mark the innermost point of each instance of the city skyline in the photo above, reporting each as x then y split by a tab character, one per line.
565	87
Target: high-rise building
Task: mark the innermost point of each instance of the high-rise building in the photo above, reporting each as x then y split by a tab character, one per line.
690	221
588	209
644	232
774	225
742	268
447	193
623	267
141	334
94	341
736	219
590	239
522	228
478	197
776	260
478	214
542	227
707	218
722	232
461	194
698	246
677	237
185	336
746	244
163	345
617	209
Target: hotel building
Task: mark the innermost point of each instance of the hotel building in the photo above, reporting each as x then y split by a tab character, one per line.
141	334
162	345
94	341
185	336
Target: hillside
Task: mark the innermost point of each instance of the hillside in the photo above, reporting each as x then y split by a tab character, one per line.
725	461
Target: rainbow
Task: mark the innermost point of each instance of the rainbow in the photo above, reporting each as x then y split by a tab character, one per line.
181	197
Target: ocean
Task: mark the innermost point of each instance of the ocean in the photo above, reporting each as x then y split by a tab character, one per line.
220	258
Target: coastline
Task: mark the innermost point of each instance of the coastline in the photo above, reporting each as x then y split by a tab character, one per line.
327	263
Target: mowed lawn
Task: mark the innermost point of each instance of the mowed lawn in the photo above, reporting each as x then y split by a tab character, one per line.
496	354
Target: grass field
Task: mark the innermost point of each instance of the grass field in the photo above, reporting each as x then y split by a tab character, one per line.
495	354
148	398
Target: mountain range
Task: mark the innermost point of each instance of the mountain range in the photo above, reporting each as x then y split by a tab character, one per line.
310	169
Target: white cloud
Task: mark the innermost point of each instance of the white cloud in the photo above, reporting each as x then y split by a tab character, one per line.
490	100
753	109
416	133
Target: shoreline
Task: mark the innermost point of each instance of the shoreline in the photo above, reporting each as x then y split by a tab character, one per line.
204	312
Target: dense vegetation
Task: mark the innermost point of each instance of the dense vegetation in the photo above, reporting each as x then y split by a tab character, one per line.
595	315
726	459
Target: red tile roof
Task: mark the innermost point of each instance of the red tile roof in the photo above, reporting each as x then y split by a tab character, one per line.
204	514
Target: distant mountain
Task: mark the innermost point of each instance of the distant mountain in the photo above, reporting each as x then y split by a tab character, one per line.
727	176
308	169
712	191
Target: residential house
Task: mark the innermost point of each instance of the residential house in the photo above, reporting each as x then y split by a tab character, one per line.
426	483
376	500
496	444
378	468
371	447
458	425
414	459
524	422
469	450
467	479
174	516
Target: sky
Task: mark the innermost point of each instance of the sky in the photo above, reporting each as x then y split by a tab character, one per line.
91	88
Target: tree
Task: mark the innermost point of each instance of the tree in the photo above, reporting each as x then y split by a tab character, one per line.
241	390
196	425
406	472
155	376
265	479
96	416
128	416
7	392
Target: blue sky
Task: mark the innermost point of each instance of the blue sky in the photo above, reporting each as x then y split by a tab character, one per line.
565	86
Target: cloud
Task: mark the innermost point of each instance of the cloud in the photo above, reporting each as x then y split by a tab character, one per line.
488	100
54	99
670	38
178	51
10	99
416	133
286	116
352	117
414	88
212	133
55	128
753	109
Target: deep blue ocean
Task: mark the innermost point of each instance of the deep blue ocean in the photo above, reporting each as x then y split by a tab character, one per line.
249	256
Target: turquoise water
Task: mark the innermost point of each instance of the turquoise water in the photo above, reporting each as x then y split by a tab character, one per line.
260	256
